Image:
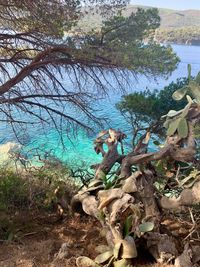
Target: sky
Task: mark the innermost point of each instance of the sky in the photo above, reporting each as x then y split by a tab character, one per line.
172	4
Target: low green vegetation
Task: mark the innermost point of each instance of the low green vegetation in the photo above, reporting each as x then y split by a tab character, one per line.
47	189
14	190
143	110
36	188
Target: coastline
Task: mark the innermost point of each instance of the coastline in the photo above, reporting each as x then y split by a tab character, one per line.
181	43
12	157
6	150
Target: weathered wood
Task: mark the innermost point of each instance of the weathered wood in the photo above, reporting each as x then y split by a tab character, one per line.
136	194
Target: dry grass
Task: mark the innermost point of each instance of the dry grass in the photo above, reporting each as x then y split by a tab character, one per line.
40	238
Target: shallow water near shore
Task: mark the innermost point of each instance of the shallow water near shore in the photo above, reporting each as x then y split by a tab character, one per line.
79	149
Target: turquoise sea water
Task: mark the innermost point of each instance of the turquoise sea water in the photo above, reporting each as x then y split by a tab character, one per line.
79	149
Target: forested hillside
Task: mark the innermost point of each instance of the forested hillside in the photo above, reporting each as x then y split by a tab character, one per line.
173	18
181	27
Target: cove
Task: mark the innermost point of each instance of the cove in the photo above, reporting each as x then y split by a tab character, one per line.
79	147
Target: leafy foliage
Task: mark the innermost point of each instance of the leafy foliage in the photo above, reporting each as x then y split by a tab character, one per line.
176	120
144	109
139	104
121	40
13	190
193	88
151	105
40	188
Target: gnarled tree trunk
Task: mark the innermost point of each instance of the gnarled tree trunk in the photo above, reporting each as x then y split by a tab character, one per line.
129	205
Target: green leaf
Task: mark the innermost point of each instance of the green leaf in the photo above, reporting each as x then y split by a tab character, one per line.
102	175
197	131
83	261
146	227
195	89
167	123
108	185
10	236
186	180
189	181
185	110
180	93
198	78
173	126
103	257
183	128
173	113
121	263
189	71
127	225
156	143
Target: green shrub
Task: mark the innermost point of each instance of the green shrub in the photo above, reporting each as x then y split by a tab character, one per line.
13	190
36	189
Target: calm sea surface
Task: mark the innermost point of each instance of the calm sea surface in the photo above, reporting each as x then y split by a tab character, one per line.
80	149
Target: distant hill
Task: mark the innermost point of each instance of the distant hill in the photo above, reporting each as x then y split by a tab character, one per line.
181	27
173	18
